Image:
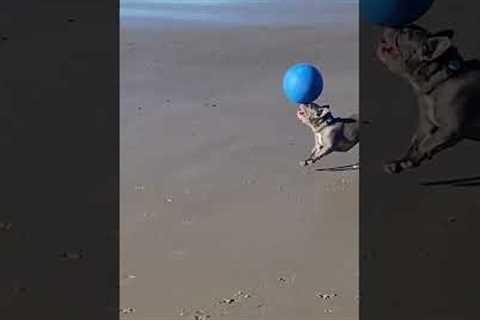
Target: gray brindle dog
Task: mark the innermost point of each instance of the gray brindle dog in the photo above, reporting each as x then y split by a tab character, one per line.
447	88
331	134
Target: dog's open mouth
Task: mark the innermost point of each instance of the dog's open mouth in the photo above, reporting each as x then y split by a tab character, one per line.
388	46
301	112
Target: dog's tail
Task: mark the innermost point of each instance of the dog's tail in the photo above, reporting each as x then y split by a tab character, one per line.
356	117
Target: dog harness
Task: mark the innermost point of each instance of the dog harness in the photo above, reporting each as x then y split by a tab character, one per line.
435	73
324	121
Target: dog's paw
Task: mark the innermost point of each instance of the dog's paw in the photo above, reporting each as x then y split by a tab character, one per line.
392	167
399	166
305	163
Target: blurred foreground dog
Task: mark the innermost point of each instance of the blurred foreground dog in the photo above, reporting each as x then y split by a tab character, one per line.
447	88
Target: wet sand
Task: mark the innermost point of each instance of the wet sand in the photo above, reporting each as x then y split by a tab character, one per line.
213	200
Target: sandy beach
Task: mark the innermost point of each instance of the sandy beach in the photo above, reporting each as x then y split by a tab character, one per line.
217	217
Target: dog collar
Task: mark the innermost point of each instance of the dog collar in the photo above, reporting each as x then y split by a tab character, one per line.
324	121
328	118
454	65
444	71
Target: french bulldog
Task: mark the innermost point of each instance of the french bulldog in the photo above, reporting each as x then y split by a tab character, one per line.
447	88
331	134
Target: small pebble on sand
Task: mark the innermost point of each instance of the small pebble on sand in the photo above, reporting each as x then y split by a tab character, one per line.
127	310
187	221
326	296
71	256
248	181
139	187
148	214
210	104
241	295
201	315
17	289
424	253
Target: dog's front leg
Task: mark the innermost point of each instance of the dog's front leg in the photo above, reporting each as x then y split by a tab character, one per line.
316	149
425	128
440	140
417	139
325	147
325	150
447	134
413	152
309	159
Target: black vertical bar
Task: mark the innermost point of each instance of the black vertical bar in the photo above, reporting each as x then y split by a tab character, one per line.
59	159
419	230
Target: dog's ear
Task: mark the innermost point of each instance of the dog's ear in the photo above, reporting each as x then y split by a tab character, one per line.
436	46
449	33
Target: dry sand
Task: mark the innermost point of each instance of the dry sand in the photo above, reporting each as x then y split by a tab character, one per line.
213	200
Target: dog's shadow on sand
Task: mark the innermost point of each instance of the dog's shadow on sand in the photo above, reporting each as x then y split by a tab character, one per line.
468	182
350	167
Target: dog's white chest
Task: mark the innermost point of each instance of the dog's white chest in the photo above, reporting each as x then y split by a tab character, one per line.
429	105
319	139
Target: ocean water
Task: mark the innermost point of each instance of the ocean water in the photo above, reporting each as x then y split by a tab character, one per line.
238	12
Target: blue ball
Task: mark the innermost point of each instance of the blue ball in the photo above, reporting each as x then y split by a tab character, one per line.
393	13
302	83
